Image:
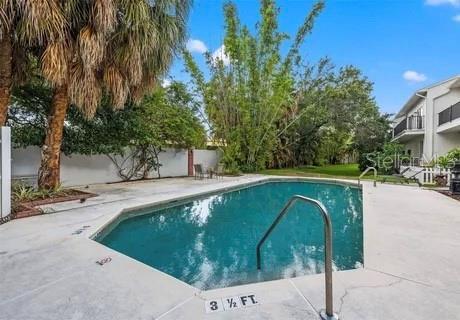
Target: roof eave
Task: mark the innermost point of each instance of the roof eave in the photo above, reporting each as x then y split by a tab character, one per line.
413	100
422	92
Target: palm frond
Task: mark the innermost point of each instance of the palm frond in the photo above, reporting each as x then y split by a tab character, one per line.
104	15
54	62
147	85
76	12
40	21
135	13
132	63
123	46
116	85
7	13
22	65
153	32
91	45
84	89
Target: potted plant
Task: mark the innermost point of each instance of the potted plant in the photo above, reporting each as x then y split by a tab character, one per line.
441	180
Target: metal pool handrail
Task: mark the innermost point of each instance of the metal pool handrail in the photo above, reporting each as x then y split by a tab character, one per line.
366	171
329	312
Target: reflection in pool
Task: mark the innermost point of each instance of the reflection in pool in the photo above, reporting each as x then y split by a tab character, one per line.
211	242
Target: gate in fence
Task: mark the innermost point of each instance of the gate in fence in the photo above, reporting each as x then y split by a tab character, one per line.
5	174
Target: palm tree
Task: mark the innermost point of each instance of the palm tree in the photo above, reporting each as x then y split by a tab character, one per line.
24	25
113	47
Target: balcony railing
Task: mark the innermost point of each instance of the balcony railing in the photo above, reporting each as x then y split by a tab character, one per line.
400	127
450	114
409	123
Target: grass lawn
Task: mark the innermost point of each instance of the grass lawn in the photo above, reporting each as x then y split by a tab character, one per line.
344	171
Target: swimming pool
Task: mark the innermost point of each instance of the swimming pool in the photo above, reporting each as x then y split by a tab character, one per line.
210	242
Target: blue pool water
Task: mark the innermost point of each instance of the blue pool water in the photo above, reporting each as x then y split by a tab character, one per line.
211	242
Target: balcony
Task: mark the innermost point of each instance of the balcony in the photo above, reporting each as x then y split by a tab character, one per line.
449	119
409	128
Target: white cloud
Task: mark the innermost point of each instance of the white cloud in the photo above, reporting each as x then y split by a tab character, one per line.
220	54
166	83
456	18
414	76
195	45
455	3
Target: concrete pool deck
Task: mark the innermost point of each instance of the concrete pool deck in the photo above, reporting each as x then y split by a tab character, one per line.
48	266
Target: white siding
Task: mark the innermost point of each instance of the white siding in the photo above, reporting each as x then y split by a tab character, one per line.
414	146
439	98
443	142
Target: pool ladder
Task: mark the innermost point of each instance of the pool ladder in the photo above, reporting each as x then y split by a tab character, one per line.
366	171
327	314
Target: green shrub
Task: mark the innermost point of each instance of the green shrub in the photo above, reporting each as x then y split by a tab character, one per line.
448	160
24	193
386	160
367	160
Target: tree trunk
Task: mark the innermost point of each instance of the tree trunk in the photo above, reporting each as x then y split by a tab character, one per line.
5	76
49	172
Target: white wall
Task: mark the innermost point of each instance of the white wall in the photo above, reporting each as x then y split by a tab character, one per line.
208	158
25	162
174	163
81	170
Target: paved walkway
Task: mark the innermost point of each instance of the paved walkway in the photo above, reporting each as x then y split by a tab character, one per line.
411	263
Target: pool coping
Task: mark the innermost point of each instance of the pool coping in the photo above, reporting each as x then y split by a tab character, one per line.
123	213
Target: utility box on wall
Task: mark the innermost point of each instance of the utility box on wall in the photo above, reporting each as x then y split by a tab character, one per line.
5	174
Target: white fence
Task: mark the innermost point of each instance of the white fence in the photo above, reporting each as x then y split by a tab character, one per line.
427	175
82	170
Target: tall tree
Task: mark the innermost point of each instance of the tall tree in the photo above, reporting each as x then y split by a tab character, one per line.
249	90
117	47
24	26
328	113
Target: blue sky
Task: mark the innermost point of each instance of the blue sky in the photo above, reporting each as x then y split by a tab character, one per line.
400	45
